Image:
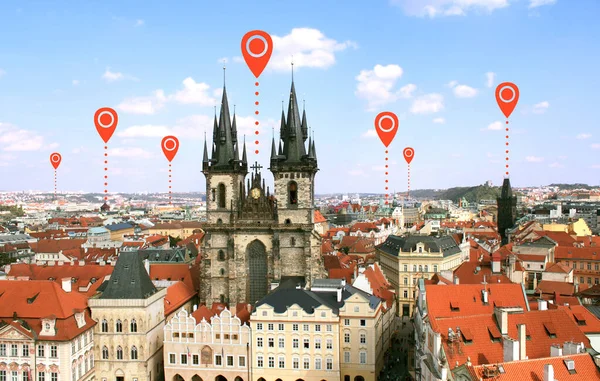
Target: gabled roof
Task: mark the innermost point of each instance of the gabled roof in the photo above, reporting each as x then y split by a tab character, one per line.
129	279
119	226
177	295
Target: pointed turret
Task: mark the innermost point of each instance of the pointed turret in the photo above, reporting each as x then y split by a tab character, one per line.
507	210
225	153
293	142
314	150
205	156
304	126
234	128
273	151
280	148
282	125
244	156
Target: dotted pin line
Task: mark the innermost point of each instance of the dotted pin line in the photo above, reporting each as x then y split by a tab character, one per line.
507	148
55	184
105	173
170	202
256	123
386	178
408	193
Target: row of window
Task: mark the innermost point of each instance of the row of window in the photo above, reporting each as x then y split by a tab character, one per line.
81	342
587	265
134	353
194	359
14	350
260	363
295	327
295	343
420	268
119	326
589	280
78	371
24	376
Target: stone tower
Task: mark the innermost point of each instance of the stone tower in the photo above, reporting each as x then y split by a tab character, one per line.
254	239
507	210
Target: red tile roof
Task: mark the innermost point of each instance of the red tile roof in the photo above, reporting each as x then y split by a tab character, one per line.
533	369
364	227
56	245
380	286
585	320
177	295
578	253
469	274
468	298
557	268
172	271
551	287
357	245
318	217
561	238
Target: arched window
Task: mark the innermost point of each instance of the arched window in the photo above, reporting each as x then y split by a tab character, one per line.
104	353
104	325
426	268
221	256
119	353
292	193
221	192
219	222
293	241
119	326
420	268
134	354
222	271
133	326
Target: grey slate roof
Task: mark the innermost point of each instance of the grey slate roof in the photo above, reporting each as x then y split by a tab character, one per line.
394	243
162	255
10	238
283	297
129	279
120	226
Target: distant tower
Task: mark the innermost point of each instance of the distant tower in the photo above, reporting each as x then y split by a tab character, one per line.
507	210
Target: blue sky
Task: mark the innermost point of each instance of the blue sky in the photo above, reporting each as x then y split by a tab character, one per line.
159	64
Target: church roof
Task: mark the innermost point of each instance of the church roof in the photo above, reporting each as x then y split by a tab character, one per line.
129	279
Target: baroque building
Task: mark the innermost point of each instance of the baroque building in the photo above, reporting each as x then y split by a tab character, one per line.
250	232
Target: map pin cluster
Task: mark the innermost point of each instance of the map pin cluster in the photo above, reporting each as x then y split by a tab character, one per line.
386	126
106	120
507	97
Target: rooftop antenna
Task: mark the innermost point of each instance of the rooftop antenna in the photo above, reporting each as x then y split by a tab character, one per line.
224	67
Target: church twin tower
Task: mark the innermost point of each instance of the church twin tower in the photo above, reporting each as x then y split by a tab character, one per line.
254	239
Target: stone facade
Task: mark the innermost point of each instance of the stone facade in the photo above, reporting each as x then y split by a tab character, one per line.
131	350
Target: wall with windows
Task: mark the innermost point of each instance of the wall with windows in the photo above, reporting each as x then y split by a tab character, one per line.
206	348
295	344
129	337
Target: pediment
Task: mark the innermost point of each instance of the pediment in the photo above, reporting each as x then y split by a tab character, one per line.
9	332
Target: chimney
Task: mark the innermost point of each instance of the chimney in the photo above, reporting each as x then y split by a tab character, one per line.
511	349
339	294
570	364
571	348
556	350
147	265
484	296
502	318
81	263
522	341
195	307
548	372
66	284
456	281
542	305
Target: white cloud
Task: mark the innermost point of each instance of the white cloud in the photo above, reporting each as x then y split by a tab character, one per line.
377	86
238	59
356	172
129	152
144	131
495	126
13	138
456	155
309	47
490	78
194	93
370	134
595	146
489	154
584	136
539	3
534	159
439	120
6	159
428	104
78	150
139	22
144	105
75	82
556	165
112	76
462	91
541	107
437	8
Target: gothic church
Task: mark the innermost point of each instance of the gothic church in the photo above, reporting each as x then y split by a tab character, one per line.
254	239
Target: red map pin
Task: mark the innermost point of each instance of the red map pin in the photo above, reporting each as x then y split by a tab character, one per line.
409	154
257	47
55	159
386	125
106	120
507	96
170	145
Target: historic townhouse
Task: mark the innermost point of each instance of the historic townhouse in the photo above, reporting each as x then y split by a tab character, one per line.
207	345
130	316
45	332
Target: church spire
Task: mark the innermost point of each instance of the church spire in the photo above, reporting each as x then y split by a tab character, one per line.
293	143
304	123
205	155
244	157
234	128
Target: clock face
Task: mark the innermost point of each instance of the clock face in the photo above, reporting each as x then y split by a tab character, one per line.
255	193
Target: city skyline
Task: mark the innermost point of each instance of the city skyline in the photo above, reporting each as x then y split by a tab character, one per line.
436	69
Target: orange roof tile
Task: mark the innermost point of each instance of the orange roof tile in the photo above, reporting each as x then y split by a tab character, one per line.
172	271
476	273
177	295
578	253
533	369
551	287
318	217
